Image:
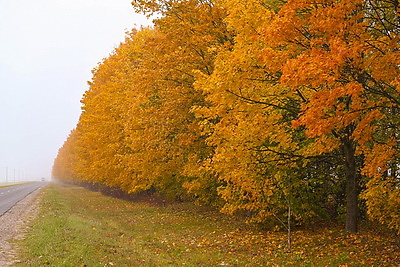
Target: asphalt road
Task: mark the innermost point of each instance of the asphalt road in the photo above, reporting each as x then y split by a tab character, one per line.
9	196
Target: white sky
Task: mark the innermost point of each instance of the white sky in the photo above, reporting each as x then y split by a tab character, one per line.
47	51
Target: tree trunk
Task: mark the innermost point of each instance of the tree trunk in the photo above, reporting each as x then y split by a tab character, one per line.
289	219
351	188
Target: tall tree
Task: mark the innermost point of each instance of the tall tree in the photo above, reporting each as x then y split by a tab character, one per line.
328	53
165	137
259	158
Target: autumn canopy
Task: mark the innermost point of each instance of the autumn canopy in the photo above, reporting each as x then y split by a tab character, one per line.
273	109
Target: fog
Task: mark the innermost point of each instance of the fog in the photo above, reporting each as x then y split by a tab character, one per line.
47	51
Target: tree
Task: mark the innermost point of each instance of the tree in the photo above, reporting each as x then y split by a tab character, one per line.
260	159
165	135
327	52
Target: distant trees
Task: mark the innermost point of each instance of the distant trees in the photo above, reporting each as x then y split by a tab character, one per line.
277	109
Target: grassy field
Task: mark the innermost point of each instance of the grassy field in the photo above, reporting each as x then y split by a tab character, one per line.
76	227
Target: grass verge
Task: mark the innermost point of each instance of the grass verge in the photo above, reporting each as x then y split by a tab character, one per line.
76	227
3	185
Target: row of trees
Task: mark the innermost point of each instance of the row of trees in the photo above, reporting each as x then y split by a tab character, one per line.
280	109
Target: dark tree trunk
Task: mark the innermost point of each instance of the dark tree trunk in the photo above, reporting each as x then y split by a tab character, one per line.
351	188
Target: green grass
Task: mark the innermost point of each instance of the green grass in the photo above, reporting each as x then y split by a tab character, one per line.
3	185
76	227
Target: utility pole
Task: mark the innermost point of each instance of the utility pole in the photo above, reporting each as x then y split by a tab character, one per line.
6	174
14	175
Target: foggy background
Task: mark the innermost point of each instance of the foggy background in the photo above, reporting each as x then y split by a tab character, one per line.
47	51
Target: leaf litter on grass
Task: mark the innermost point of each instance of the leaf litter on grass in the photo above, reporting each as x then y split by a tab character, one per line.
127	233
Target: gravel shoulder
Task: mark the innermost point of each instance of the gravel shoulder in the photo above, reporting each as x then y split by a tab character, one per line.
14	226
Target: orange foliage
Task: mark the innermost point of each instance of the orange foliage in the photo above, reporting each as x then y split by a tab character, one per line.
265	107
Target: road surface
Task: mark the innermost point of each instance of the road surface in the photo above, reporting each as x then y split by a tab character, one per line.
9	196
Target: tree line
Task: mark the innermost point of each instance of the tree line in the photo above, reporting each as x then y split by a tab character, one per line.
277	109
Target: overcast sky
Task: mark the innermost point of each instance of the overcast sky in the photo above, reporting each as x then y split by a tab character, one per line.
47	51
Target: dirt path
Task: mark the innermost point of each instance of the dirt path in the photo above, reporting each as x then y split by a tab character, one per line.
13	225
